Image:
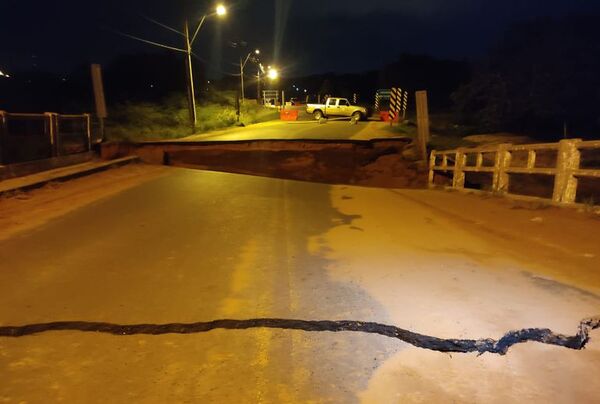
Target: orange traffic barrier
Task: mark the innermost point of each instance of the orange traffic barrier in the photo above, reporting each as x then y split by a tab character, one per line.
289	115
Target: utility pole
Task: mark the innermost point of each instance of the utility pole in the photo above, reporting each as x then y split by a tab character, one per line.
220	11
422	122
242	78
98	85
190	76
258	94
243	65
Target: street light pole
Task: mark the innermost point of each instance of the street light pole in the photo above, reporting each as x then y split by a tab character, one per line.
242	66
190	76
258	94
242	78
189	42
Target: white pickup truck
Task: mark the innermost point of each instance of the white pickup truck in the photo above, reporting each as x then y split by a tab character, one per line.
336	107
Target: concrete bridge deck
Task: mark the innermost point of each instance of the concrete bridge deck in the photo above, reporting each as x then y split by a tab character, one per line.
148	244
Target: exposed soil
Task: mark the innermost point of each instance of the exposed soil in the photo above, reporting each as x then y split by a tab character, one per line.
379	167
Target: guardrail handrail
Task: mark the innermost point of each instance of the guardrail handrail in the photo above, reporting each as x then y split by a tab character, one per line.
51	129
566	171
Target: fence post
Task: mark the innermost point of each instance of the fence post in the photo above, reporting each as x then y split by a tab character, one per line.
568	160
3	134
458	179
432	158
88	130
56	131
52	132
501	178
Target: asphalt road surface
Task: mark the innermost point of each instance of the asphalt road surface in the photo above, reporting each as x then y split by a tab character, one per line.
333	129
162	245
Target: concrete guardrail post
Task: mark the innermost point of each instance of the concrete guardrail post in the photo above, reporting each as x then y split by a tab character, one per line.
501	178
531	159
458	179
432	158
567	162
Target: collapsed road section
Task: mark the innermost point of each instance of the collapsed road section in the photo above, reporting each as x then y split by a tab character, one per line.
392	163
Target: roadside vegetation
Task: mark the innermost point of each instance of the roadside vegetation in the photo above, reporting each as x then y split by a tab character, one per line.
169	119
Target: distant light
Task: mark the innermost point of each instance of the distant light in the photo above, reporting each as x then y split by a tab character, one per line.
305	90
273	74
151	85
2	74
257	51
221	10
208	81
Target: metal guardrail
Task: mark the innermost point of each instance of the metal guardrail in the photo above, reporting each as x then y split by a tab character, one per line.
25	137
566	170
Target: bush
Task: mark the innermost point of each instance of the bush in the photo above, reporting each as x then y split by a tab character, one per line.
170	119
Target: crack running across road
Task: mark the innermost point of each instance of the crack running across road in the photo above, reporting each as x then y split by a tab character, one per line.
500	347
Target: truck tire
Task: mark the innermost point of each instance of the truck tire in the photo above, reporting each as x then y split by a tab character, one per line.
357	116
318	115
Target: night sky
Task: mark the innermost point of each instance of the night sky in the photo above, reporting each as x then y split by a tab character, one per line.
300	36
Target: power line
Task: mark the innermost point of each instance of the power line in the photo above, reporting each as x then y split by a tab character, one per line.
146	41
160	24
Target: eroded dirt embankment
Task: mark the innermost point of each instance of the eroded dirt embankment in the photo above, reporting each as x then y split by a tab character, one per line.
382	163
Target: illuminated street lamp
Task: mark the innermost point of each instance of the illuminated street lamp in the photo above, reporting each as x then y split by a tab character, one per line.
273	74
2	74
220	11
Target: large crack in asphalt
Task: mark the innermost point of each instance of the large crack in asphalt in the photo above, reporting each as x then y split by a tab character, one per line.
481	346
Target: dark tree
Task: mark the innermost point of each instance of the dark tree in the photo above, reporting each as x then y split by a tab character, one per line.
419	72
542	75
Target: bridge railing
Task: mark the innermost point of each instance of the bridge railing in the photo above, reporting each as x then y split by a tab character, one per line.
499	161
27	137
